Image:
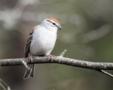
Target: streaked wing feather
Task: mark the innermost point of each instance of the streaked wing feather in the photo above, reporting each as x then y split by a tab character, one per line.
28	43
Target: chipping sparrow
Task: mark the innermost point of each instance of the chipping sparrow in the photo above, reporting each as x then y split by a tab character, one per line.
41	41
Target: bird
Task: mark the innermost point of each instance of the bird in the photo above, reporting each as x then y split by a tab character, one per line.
41	41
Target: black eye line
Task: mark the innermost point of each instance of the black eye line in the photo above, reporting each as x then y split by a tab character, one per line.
52	22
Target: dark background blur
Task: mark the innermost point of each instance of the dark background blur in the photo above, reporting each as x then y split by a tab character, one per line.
87	33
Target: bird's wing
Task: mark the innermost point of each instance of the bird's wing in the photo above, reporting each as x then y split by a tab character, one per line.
28	43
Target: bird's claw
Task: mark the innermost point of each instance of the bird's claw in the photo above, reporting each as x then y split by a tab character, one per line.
50	56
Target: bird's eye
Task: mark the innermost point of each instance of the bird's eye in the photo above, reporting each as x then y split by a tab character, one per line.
53	23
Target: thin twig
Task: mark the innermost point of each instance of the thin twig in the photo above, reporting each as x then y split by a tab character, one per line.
63	53
25	64
4	85
107	73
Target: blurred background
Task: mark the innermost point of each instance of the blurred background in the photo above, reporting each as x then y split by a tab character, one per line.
87	33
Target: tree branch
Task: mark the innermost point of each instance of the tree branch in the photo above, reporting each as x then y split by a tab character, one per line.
98	66
59	60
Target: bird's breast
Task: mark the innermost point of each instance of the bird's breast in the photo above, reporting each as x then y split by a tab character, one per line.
43	42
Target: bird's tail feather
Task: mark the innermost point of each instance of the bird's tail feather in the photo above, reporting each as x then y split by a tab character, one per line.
29	73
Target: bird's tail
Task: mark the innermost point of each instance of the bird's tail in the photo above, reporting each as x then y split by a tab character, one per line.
29	73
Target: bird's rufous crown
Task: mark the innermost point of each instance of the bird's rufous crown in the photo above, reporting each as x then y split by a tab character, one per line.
57	20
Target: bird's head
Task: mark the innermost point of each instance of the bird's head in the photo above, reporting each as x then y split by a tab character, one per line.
52	23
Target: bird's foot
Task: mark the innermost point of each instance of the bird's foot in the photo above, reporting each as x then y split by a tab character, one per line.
30	58
50	56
